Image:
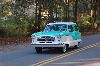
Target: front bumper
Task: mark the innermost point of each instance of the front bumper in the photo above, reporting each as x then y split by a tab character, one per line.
48	45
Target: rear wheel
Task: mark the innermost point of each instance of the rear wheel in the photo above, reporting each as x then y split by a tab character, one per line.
38	49
77	46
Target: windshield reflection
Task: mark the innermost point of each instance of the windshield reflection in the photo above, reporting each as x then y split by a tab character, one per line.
55	27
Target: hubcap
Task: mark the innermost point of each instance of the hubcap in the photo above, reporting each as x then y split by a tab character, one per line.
64	48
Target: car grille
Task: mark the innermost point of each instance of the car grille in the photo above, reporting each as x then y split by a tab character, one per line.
46	38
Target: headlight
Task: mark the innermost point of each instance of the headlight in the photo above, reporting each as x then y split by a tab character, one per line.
59	36
33	36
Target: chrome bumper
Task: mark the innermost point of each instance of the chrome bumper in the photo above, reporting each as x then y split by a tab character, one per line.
48	45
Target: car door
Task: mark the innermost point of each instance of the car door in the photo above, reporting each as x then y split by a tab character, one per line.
71	31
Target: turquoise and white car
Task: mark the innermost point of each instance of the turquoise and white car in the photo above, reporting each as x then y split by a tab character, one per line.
60	35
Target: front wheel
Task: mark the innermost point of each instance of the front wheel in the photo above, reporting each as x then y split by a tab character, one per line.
38	49
63	49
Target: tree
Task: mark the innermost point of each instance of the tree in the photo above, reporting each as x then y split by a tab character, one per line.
75	12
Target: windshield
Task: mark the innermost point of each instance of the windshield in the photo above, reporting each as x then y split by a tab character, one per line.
56	27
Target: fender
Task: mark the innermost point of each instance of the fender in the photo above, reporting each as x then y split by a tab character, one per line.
67	40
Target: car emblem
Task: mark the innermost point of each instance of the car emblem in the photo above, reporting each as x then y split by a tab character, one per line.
47	38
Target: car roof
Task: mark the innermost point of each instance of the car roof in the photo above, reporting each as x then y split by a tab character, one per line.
68	23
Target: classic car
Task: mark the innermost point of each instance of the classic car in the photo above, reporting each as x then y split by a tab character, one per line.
61	35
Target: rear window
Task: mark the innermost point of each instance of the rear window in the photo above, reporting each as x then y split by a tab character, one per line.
76	28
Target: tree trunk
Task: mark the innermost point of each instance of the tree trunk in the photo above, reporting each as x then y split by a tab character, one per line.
95	10
39	18
75	11
39	14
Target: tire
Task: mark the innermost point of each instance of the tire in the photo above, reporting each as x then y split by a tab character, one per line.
77	46
38	49
63	49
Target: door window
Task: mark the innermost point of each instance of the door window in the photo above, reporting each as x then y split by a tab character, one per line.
70	28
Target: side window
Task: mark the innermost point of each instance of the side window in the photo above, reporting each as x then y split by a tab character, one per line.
70	28
63	27
76	28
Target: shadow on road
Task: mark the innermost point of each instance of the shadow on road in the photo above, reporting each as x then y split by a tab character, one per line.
55	51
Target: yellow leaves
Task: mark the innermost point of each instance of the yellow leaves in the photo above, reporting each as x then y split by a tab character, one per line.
6	8
7	11
85	23
5	1
95	25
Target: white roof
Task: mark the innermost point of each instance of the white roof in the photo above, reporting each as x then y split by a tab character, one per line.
68	23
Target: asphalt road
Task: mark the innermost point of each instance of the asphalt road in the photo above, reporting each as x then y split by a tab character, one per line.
87	55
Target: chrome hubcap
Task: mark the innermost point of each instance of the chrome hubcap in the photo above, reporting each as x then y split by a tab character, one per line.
64	48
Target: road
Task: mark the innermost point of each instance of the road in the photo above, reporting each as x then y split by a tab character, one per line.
87	55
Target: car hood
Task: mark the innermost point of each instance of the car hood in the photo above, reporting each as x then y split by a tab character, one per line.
50	33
